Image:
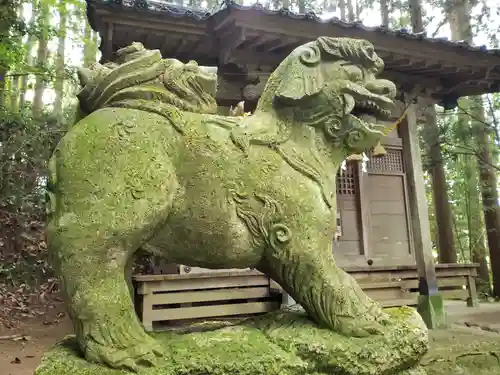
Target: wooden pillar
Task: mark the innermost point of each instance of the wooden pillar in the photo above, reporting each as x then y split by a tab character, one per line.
107	43
364	212
430	302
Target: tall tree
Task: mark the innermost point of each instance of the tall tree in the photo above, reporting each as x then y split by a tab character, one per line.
416	18
41	57
60	60
8	21
350	10
467	195
342	7
445	240
384	12
446	244
28	56
459	17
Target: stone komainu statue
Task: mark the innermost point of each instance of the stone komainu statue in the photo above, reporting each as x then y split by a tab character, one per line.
151	166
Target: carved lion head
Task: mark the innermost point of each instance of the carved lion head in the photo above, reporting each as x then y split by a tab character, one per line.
141	74
331	83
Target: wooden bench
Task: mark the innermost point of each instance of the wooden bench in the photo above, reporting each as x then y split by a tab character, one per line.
183	297
397	286
203	295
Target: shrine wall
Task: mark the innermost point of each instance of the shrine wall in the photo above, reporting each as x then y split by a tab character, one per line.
387	225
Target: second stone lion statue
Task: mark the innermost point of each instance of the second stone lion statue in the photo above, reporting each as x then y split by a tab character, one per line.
151	166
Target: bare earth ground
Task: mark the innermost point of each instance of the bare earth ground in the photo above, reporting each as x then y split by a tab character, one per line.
25	337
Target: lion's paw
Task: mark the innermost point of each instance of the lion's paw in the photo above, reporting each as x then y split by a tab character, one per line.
120	348
359	328
371	322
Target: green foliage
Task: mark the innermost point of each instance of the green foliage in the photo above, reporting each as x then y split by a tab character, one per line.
25	142
26	145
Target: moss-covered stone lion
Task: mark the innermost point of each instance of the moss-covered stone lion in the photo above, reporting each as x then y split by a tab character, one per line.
151	166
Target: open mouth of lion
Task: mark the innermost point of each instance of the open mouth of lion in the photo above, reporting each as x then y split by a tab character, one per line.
372	112
368	106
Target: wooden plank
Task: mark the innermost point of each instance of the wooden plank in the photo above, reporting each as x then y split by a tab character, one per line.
410	284
366	285
386	294
386	187
385	275
347	251
350	226
390	228
457	265
214	311
456	281
194	270
173	285
399	302
209	295
452	281
201	275
386	207
460	294
347	202
449	272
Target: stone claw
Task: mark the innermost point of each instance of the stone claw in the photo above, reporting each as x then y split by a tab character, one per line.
127	364
122	349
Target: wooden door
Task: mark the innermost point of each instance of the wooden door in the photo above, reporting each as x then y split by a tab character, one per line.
390	237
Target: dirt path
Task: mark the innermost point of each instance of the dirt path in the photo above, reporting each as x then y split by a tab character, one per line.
22	347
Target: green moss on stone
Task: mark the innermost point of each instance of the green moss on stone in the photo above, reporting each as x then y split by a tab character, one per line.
280	343
151	166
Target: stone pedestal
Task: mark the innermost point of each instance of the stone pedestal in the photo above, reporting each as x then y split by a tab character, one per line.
283	342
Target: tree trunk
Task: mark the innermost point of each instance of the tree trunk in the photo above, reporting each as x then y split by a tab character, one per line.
384	12
302	6
488	187
41	60
477	243
342	6
445	239
461	29
28	60
350	11
59	82
417	22
7	19
3	86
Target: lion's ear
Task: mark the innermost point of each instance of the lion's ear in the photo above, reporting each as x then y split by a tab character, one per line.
302	77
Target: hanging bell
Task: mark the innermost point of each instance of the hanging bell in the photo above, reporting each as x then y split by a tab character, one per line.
355	157
378	150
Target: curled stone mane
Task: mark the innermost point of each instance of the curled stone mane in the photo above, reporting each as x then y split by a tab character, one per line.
140	77
360	52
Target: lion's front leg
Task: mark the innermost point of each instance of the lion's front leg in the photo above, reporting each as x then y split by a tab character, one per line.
98	297
330	296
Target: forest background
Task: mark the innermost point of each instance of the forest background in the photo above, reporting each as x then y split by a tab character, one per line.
43	41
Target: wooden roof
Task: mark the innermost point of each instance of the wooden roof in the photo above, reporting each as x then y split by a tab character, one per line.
243	39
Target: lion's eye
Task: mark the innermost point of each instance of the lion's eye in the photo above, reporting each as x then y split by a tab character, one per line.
355	73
